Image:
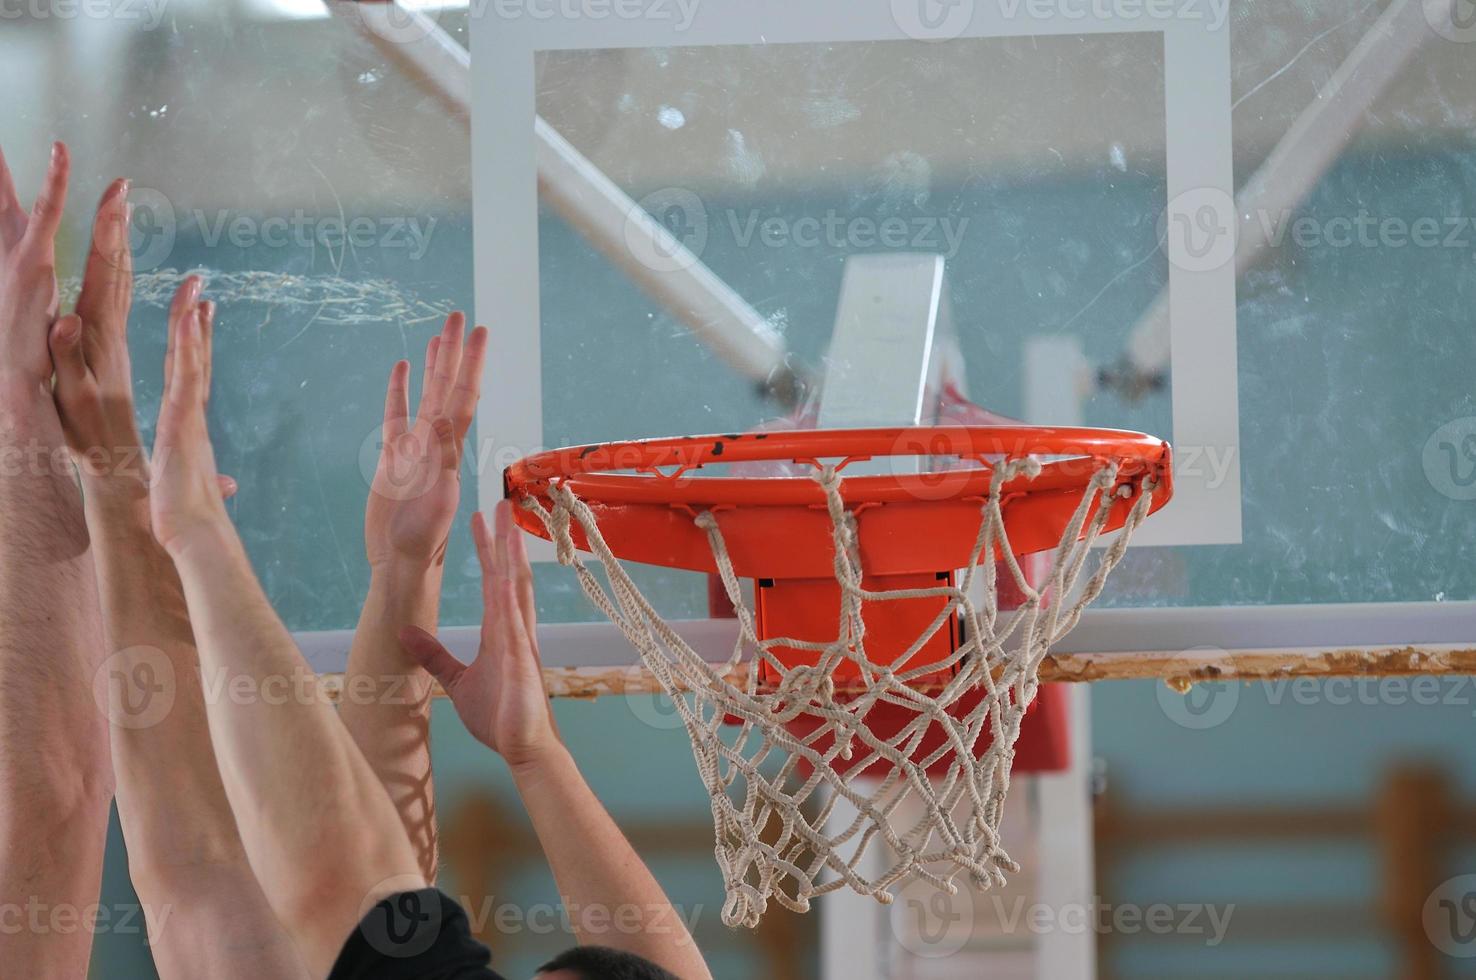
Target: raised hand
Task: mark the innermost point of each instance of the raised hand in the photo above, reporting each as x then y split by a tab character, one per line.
500	695
94	375
185	496
28	294
501	699
417	485
412	504
94	392
54	761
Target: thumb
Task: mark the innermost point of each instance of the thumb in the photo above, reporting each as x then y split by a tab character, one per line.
428	652
228	487
65	341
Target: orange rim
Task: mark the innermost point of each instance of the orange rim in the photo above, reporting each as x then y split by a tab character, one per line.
661	467
777	527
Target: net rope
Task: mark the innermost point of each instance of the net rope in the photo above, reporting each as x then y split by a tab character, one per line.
774	795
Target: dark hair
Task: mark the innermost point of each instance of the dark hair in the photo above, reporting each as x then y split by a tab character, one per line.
603	963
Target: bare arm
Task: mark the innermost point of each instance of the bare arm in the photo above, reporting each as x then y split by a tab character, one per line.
611	896
55	776
317	826
412	504
206	912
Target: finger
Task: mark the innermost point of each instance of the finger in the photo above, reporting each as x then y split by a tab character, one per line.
175	406
228	487
462	405
448	360
482	538
508	623
186	297
65	341
493	576
397	401
46	213
519	664
12	215
519	569
206	314
107	282
499	553
428	652
187	388
446	445
432	352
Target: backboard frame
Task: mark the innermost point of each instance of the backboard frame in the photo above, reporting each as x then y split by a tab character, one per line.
1202	642
1206	507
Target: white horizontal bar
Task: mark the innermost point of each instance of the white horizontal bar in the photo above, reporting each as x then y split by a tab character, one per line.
1101	631
1334	625
561	644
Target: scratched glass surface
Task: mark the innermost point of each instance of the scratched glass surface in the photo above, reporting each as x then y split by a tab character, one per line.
1026	163
325	201
1030	164
261	136
1035	165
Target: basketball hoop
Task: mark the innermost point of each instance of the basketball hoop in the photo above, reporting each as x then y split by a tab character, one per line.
876	643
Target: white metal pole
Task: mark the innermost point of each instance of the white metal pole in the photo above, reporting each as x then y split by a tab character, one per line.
1303	155
593	204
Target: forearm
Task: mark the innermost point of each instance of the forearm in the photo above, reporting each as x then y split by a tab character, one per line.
50	860
50	635
317	826
53	817
387	697
611	896
171	802
206	911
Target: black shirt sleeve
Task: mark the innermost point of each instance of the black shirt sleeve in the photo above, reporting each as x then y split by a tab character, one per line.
420	935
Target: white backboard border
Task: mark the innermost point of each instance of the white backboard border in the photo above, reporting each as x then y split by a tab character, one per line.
1207	504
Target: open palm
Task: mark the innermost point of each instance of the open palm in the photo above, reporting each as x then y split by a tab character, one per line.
500	696
417	483
186	491
28	293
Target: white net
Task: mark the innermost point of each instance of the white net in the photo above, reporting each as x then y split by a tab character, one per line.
773	793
